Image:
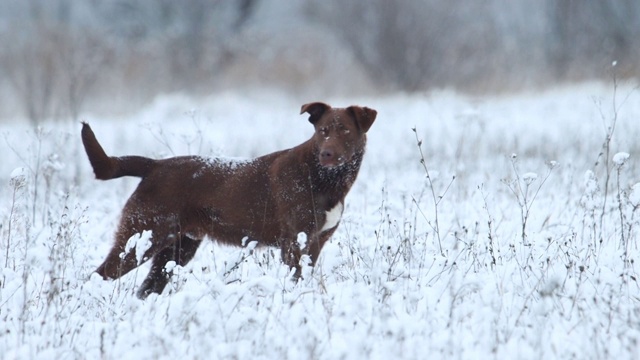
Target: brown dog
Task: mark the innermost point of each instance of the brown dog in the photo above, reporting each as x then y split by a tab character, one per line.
270	199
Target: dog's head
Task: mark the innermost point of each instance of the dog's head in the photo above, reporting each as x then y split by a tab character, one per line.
340	132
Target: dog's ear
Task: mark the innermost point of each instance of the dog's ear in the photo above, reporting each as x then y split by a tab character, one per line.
315	109
364	116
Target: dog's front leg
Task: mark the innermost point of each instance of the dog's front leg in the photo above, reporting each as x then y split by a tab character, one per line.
294	247
317	242
291	253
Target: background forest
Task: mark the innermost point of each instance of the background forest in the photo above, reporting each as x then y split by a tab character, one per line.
62	57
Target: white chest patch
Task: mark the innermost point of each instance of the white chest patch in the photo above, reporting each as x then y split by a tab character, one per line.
333	217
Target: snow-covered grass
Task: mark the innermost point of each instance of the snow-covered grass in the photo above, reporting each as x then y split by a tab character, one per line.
501	227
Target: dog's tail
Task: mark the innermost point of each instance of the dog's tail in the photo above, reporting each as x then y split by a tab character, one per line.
106	167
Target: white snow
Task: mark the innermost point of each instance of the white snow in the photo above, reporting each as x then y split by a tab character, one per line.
620	158
19	177
19	173
140	243
384	288
252	245
170	266
529	177
302	240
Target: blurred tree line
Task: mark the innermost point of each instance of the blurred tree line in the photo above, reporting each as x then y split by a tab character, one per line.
55	55
489	44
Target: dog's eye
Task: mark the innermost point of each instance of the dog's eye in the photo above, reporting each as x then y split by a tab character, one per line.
343	129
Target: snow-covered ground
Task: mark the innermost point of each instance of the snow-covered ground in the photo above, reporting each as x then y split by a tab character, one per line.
507	243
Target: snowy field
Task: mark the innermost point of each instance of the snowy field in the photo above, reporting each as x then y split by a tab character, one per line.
517	238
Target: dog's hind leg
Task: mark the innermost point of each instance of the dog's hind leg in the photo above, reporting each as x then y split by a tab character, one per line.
290	253
120	260
181	252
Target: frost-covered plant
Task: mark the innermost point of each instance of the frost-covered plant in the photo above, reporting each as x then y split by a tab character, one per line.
41	168
20	225
619	160
62	243
609	122
525	192
634	201
628	204
192	141
50	167
437	198
590	203
18	219
493	249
